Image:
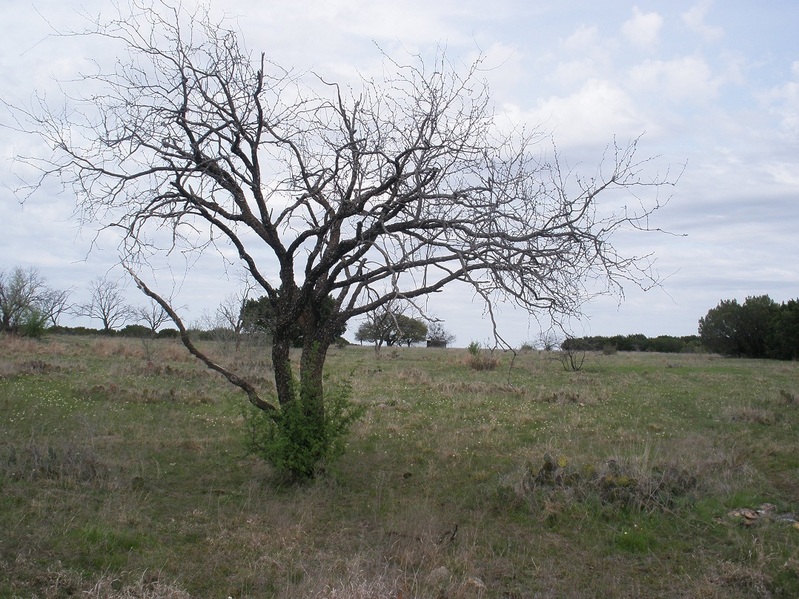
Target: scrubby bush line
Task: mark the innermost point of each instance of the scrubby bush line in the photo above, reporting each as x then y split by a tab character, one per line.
758	328
634	343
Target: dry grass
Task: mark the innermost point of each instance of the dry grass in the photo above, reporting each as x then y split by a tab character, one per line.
751	415
120	460
61	461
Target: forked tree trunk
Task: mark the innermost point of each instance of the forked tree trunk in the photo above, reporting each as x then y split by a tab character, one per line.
303	424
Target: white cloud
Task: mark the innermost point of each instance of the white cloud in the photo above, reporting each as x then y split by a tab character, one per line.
643	29
686	79
592	115
584	55
783	101
694	17
584	38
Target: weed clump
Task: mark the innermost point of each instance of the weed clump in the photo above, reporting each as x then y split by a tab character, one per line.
479	360
563	396
621	483
148	587
788	398
62	463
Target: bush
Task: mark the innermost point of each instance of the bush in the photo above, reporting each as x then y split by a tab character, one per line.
625	483
136	331
34	325
478	360
292	444
572	358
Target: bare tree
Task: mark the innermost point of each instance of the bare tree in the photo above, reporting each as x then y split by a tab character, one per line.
153	316
548	340
389	191
21	291
106	304
230	311
55	303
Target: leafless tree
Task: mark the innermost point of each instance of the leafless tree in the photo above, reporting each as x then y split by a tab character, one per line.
230	312
21	291
106	304
153	316
55	303
391	190
572	358
437	335
548	340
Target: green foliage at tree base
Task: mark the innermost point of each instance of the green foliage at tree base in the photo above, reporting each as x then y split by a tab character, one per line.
295	442
34	324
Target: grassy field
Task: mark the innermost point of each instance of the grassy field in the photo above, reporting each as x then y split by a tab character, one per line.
122	474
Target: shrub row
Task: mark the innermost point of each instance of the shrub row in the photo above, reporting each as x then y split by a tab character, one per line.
662	343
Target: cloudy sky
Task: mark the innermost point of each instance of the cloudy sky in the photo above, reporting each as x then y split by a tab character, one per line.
713	86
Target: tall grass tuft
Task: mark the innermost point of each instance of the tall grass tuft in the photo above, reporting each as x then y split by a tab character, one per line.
62	461
479	359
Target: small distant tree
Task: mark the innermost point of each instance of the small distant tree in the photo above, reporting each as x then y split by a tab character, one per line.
391	328
718	329
438	336
54	304
19	290
232	314
411	330
548	340
106	304
153	316
571	355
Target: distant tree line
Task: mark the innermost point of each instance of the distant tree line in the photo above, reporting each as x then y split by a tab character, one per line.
29	307
758	328
634	343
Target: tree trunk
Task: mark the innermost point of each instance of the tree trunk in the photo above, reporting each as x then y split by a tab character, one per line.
302	417
312	365
281	362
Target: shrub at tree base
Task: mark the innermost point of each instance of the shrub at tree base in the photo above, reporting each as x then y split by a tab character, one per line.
293	441
34	324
